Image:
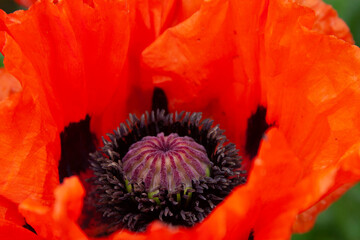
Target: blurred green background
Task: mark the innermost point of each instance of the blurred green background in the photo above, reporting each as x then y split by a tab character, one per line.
342	220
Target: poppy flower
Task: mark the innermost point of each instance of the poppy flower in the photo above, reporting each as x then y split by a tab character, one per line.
279	77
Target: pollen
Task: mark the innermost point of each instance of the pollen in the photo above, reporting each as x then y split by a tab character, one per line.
166	162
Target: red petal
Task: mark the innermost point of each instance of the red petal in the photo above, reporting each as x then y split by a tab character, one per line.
77	53
311	96
285	185
309	84
347	174
327	20
148	19
9	212
33	166
209	63
59	221
8	230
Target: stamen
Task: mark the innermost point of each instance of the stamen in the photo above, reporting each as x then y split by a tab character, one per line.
169	167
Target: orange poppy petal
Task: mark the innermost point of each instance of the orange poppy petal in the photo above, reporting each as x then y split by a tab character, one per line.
9	212
287	187
33	166
9	230
148	19
77	56
311	96
58	221
8	84
156	16
347	175
209	63
27	123
71	33
322	123
40	74
327	20
309	81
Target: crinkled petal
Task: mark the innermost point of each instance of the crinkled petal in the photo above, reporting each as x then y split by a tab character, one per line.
311	96
327	20
348	173
80	54
28	127
209	63
148	19
31	169
155	16
309	85
290	191
77	52
61	70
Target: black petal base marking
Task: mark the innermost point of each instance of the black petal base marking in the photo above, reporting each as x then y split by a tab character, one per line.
76	143
251	235
29	227
159	100
256	128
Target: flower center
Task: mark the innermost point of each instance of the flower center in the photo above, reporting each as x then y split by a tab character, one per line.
166	162
169	167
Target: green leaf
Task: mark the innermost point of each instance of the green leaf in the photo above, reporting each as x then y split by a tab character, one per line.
1	61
